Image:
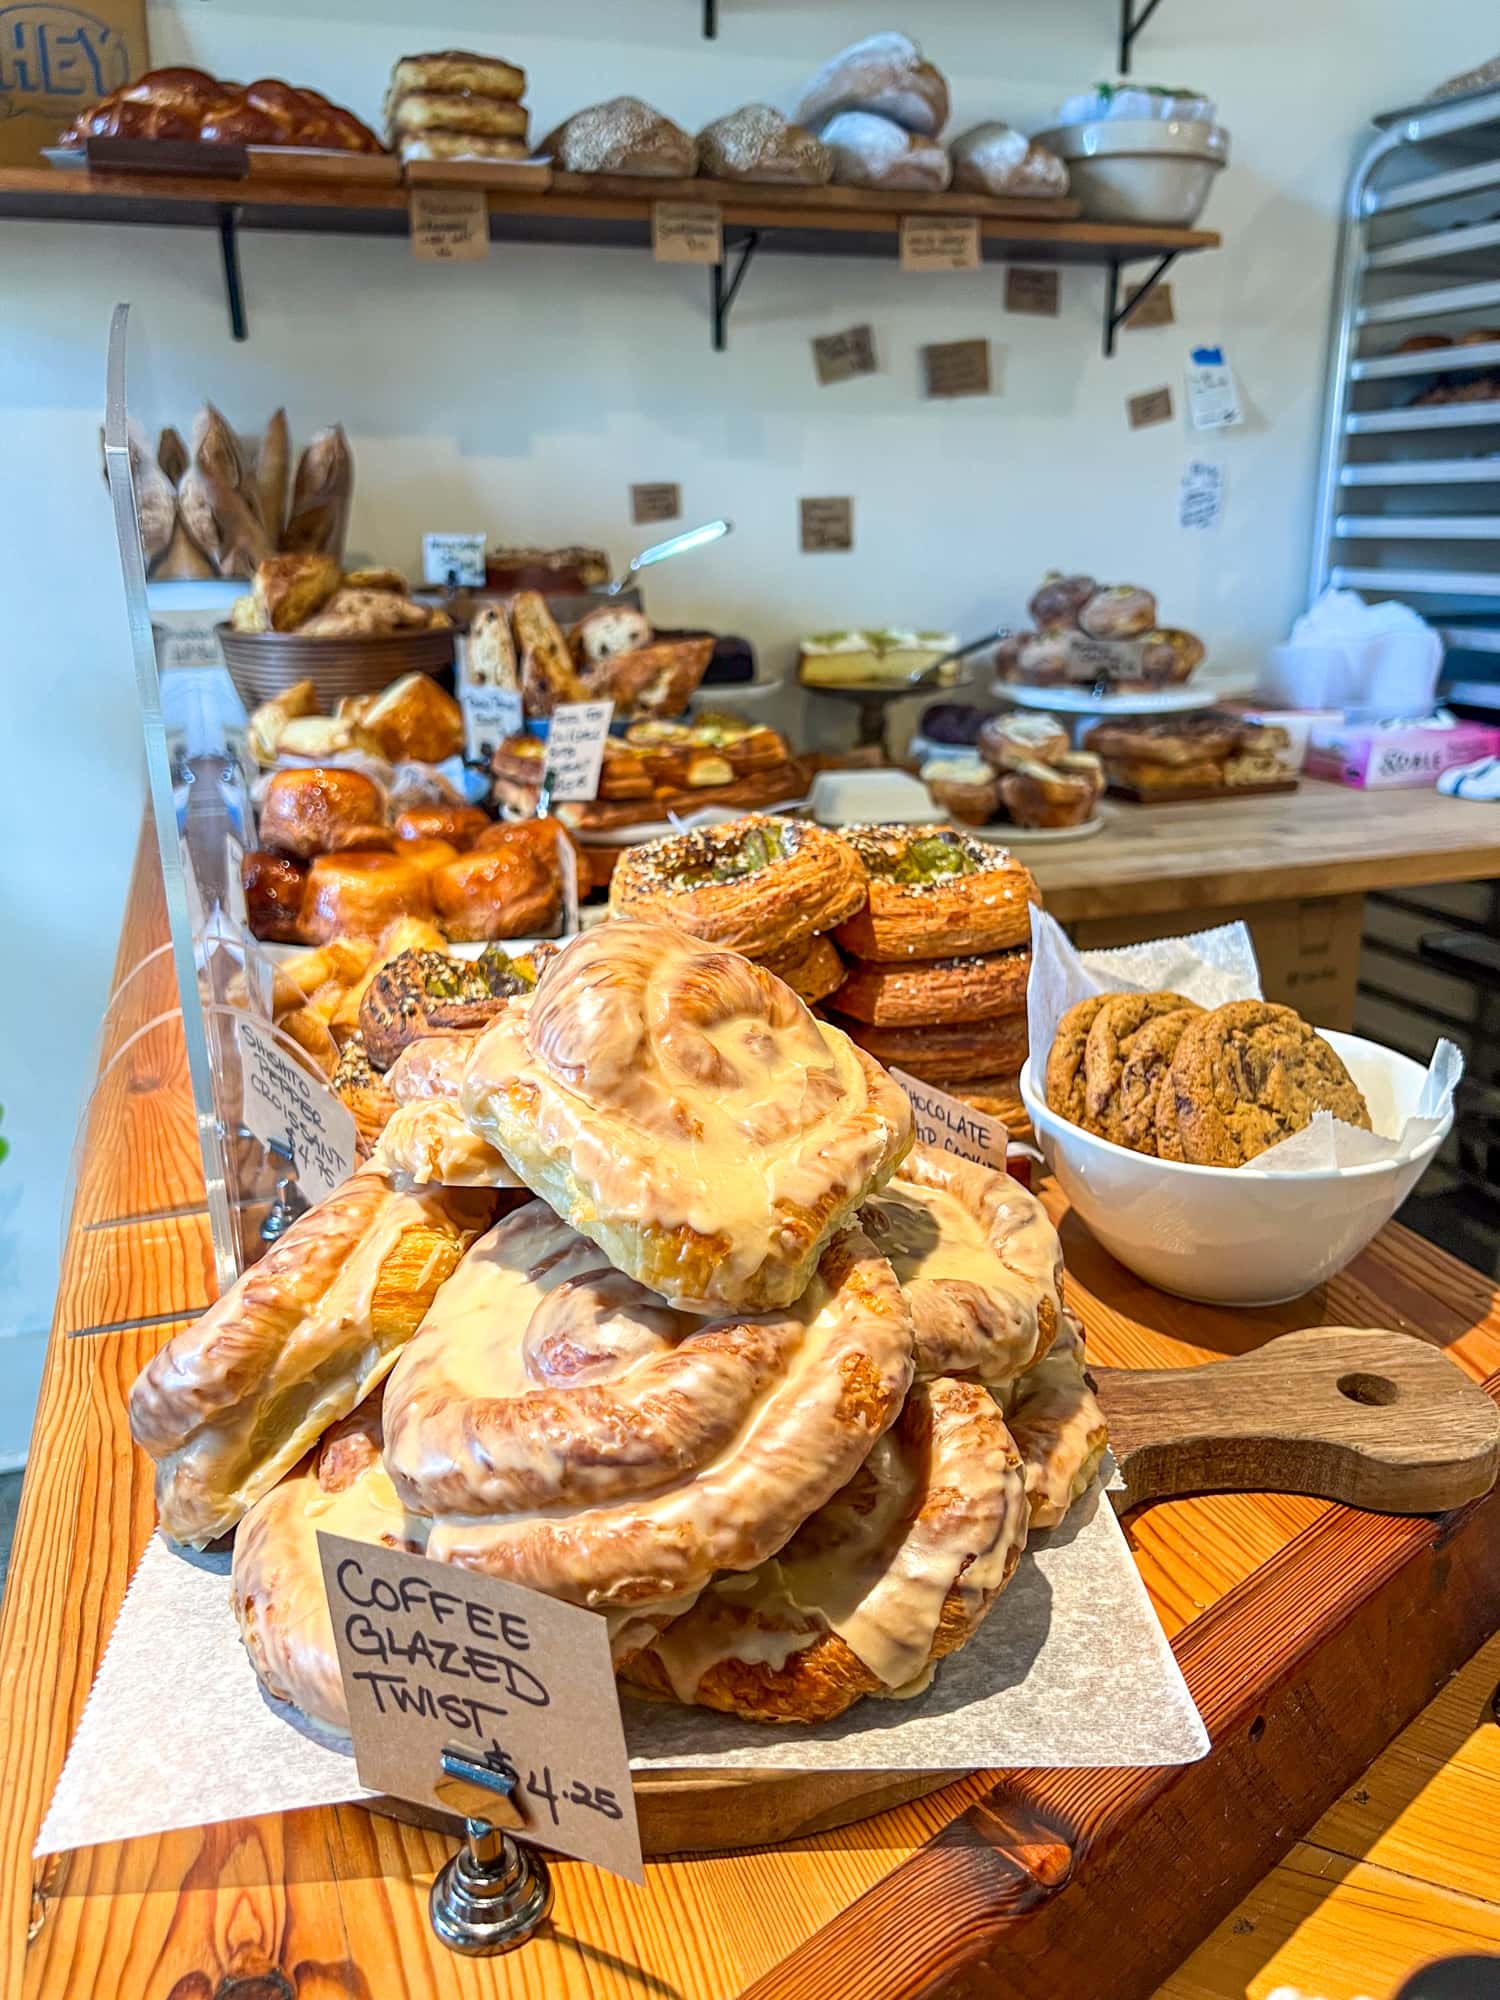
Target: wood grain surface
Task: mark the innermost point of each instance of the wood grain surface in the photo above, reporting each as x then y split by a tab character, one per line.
1283	1611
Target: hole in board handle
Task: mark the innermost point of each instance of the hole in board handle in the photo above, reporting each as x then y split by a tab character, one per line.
1379	1391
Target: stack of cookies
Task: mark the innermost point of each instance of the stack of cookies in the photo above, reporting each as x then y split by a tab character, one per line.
1210	1087
454	105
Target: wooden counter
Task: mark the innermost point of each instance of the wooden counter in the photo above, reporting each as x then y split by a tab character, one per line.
1308	1634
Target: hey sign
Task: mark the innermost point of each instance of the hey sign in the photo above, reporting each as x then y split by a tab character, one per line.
285	1106
434	1657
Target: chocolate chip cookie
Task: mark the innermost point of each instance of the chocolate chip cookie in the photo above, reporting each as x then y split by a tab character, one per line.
1246	1076
1065	1079
1110	1043
1146	1058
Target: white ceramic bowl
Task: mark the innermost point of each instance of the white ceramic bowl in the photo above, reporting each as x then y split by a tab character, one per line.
1239	1237
1142	170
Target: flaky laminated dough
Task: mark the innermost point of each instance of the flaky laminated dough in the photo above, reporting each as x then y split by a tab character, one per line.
235	1399
936	892
458	70
926	991
1058	1426
682	1108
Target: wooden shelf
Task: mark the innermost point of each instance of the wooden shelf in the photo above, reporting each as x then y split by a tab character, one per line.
602	211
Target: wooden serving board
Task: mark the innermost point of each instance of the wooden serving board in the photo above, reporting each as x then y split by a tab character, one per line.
1187	793
850	201
1308	1635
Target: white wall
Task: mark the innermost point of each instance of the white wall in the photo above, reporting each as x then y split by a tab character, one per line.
525	394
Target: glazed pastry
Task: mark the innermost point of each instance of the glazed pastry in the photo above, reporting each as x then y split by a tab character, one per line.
459	825
757	884
1058	1427
1047	795
263	735
935	892
965	787
497	892
811	967
425	993
1248	1075
683	1108
895	1572
950	1052
428	854
359	894
233	1401
979	1263
274	886
1169	655
1119	611
427	1143
1022	737
914	992
571	1431
1061	598
307	812
414	719
364	1093
1111	1043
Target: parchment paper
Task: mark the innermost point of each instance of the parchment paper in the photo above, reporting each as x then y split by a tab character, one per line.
1214	967
1070	1668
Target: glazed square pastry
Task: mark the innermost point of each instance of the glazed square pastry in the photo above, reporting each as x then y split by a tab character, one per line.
682	1108
234	1400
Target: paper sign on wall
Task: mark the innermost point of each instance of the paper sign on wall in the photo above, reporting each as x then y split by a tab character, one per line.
1200	498
434	1658
827	525
686	232
454	558
576	737
1029	289
939	243
1213	400
1155	309
490	715
957	368
449	225
949	1125
1152	406
656	500
285	1106
839	357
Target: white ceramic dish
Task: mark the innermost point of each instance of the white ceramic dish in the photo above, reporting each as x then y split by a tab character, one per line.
1042	836
1239	1237
854	798
1151	171
1154	701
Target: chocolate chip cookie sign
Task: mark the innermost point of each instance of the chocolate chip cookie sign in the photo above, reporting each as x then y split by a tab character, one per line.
51	54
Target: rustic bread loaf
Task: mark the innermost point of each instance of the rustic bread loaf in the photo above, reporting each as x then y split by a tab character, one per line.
884	73
875	152
756	143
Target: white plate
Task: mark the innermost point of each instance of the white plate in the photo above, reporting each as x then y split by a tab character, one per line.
858	798
1158	701
1036	836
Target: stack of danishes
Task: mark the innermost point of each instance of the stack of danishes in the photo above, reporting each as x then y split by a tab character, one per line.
700	1343
455	105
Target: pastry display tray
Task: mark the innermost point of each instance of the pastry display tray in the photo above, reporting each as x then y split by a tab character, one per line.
1200	792
256	163
1149	701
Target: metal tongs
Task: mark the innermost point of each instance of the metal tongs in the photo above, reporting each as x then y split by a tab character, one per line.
675	545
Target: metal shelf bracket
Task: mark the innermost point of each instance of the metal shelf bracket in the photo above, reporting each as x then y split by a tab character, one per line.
234	290
723	294
710	19
1131	25
1116	314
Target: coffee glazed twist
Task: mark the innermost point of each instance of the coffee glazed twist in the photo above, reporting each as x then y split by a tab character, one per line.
573	1432
681	1107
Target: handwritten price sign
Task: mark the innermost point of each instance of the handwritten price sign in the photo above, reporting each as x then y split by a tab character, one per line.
285	1106
436	1658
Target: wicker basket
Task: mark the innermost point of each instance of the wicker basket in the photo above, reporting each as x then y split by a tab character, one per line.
264	664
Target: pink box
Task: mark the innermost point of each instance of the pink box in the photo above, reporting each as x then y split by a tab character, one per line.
1380	755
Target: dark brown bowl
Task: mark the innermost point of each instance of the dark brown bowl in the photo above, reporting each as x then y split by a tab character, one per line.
265	664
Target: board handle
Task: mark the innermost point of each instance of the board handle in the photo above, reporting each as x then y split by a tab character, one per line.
1362	1415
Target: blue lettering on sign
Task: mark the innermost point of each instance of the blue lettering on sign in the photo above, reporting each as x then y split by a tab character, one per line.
51	51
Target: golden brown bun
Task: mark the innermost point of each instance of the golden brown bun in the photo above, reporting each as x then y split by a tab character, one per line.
428	854
183	103
461	825
758	884
980	987
414	719
811	967
497	892
938	914
233	1401
948	1053
459	69
359	894
424	111
965	787
274	886
923	1539
305	812
289	589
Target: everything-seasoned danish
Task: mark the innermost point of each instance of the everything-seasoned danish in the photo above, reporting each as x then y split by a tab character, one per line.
936	892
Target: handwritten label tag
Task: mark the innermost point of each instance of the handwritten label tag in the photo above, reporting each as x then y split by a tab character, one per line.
839	357
686	232
435	1658
490	715
455	558
1213	400
1029	289
449	225
1152	406
575	749
285	1106
1155	309
1200	497
939	243
186	639
951	1126
827	525
657	500
957	368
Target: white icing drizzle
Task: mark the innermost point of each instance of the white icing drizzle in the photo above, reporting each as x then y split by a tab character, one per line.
1058	1426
